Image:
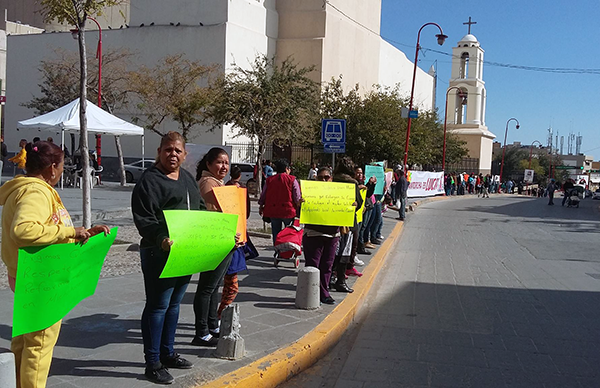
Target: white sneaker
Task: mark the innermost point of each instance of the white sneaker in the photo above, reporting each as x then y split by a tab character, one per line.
358	261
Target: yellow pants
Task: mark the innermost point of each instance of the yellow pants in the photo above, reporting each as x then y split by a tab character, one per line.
33	355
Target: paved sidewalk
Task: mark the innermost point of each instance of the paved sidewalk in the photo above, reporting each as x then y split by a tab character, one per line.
100	342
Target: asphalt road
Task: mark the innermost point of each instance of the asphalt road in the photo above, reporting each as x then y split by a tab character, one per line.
500	292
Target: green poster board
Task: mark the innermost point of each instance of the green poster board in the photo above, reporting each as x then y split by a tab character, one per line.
201	240
52	279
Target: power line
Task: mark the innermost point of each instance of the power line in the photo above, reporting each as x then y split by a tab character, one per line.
558	70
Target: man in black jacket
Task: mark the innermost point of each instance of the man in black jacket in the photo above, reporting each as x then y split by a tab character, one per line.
567	186
400	191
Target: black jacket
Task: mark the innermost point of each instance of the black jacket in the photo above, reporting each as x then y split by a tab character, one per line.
156	192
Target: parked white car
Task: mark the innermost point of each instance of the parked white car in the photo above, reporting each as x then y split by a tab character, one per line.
133	171
247	171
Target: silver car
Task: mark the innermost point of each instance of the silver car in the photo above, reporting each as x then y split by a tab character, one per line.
133	171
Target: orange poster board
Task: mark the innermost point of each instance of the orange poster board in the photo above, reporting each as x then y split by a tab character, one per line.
232	200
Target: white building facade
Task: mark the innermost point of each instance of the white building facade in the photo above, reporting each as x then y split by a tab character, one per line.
222	32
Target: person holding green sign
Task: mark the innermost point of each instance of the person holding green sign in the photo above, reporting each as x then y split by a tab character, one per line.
163	186
210	172
32	215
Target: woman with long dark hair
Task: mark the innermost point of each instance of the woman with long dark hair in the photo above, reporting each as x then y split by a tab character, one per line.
210	172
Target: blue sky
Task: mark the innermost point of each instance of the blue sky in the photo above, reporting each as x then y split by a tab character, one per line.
548	34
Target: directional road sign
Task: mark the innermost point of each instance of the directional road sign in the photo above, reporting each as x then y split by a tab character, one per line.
331	148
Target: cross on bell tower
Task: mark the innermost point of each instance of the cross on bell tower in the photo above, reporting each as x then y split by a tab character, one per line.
469	23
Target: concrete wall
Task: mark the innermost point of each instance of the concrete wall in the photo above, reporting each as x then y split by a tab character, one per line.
204	43
396	69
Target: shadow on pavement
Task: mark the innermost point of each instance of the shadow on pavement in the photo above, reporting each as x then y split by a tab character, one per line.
438	335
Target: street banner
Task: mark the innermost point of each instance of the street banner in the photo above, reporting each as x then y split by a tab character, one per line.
234	200
201	240
359	212
53	279
328	203
528	178
425	183
377	172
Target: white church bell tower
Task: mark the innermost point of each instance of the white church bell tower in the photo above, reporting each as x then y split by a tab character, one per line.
466	101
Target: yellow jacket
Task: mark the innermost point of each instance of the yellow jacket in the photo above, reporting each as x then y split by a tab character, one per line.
20	158
32	214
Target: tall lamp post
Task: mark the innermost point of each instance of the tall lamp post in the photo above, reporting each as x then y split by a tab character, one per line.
75	33
531	151
504	148
440	39
463	96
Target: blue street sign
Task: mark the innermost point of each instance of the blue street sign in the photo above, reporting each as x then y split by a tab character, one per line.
333	131
332	148
413	114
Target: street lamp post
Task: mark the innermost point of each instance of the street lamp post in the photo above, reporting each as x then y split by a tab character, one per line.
504	148
75	33
531	151
440	38
446	119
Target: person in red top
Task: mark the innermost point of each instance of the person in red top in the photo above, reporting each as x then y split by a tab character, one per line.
280	198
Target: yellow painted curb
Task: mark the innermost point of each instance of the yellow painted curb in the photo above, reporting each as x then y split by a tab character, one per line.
284	363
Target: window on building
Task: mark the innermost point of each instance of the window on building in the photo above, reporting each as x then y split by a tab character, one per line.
464	65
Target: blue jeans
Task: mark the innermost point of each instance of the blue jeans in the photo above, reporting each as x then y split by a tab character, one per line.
276	225
377	221
161	312
401	207
368	225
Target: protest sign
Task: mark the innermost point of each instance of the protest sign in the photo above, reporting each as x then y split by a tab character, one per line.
377	172
201	240
328	203
52	279
233	200
425	183
359	212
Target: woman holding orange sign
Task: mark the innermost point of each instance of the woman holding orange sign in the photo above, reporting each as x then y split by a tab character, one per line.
210	172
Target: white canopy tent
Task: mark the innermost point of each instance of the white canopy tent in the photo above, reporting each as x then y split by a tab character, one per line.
66	119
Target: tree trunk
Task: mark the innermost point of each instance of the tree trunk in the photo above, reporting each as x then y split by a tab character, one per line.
122	178
85	156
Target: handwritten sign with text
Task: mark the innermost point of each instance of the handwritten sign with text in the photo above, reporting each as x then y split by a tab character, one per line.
328	203
201	240
377	172
53	279
233	200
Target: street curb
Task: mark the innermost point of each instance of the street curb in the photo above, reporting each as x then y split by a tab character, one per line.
284	363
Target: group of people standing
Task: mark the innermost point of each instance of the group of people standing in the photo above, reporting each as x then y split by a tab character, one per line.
461	184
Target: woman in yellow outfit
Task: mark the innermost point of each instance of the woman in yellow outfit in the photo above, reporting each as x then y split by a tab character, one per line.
20	158
33	214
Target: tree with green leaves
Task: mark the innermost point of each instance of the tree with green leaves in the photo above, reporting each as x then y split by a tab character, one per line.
172	89
269	102
76	12
375	128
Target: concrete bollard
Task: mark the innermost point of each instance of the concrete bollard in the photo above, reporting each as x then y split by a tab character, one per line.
231	344
307	290
8	374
